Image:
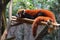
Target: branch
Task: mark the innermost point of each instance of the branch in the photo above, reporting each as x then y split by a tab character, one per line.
3	37
30	21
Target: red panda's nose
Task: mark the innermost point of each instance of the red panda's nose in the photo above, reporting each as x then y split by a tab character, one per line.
17	15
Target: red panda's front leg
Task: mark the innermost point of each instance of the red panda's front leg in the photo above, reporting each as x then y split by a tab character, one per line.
36	22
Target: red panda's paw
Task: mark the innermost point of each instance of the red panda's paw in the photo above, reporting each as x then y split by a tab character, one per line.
34	34
34	29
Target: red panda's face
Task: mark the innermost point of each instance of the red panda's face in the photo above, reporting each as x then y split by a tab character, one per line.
20	13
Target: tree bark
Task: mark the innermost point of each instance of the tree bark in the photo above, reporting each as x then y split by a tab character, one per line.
0	16
3	4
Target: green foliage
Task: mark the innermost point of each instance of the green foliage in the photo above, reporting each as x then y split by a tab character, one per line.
56	9
52	5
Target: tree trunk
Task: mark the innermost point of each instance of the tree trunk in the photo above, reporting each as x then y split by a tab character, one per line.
3	4
0	17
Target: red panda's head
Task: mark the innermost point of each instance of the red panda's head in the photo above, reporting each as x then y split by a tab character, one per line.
20	13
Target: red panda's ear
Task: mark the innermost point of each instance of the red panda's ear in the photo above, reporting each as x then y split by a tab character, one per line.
23	12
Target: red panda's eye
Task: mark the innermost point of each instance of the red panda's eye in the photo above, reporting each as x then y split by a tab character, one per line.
20	15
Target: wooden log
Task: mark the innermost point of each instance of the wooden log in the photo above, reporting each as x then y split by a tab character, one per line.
41	34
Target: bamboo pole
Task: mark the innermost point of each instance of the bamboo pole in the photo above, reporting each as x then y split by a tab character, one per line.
10	11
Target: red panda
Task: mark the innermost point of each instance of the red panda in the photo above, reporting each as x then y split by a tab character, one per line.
37	15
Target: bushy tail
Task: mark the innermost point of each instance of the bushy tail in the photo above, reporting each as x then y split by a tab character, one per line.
37	21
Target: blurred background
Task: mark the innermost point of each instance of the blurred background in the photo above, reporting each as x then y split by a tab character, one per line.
24	31
53	5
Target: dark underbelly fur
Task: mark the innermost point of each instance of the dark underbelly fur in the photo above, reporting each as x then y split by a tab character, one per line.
33	17
39	14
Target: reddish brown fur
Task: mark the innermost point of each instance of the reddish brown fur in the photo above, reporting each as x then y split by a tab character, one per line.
36	22
46	12
49	16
